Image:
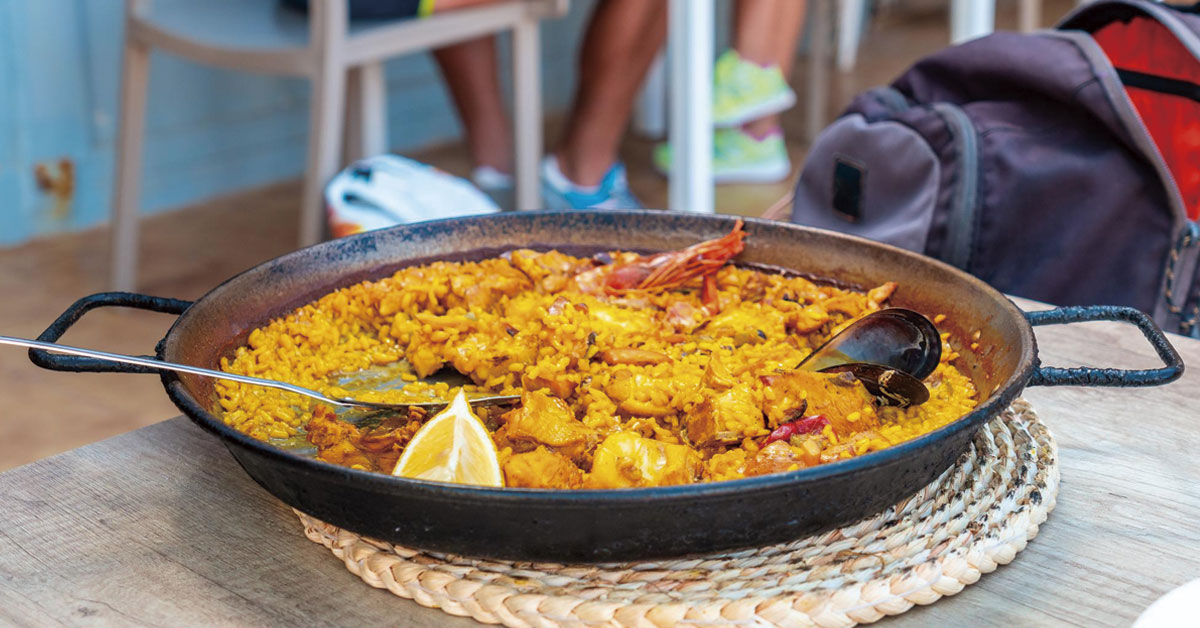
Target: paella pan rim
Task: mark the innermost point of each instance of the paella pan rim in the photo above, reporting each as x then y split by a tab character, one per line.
989	407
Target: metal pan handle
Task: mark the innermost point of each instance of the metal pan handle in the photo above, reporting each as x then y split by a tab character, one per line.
1087	376
58	362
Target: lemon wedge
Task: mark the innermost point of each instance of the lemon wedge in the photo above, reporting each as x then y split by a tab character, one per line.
453	446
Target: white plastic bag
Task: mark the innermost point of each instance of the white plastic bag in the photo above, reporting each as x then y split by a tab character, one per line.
390	190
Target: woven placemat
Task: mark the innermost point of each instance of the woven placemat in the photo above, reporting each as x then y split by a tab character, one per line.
973	518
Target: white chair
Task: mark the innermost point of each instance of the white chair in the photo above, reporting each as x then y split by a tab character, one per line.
343	61
968	19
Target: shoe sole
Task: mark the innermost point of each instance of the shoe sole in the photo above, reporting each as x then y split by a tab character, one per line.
778	104
553	199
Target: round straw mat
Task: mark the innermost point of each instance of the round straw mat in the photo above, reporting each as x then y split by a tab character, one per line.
973	518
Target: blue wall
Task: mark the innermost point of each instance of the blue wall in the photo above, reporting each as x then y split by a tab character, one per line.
208	131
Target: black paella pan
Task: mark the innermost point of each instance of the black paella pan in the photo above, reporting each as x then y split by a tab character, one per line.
607	525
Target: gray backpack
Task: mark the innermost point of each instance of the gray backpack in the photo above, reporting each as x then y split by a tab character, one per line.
1062	166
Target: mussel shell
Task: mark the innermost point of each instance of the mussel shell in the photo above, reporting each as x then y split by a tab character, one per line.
895	337
893	387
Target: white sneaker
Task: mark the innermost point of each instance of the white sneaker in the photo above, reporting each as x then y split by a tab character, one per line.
559	192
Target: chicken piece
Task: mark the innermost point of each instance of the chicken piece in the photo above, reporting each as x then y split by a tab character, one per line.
617	357
626	460
840	397
878	295
487	355
383	445
490	281
548	421
774	458
345	454
748	323
550	272
807	320
850	304
723	418
561	386
611	320
336	441
376	448
685	317
541	468
639	394
717	375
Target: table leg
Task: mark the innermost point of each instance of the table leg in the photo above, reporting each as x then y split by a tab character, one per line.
690	44
971	18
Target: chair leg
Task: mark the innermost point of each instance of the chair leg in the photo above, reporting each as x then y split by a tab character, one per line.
352	146
1029	15
970	19
324	147
849	25
135	67
527	113
818	68
366	112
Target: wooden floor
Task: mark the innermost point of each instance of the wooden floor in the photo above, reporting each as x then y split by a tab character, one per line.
187	252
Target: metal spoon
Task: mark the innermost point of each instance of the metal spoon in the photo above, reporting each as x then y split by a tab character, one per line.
256	381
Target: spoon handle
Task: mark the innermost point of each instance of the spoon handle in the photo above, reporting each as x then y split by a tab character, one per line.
168	366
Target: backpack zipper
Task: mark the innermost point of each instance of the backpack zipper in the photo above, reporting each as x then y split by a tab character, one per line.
964	209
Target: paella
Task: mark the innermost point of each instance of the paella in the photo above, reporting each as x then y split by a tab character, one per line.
631	370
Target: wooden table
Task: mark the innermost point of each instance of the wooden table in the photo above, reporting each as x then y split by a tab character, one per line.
160	526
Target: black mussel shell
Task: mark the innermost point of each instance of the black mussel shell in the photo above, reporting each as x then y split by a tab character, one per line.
893	387
896	337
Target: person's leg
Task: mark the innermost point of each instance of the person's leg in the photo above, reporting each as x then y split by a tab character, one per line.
766	32
470	72
621	41
754	29
750	89
790	17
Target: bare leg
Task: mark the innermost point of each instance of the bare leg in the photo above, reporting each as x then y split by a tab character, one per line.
765	32
754	29
790	23
469	69
621	41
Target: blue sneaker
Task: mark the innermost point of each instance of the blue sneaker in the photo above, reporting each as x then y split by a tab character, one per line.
559	192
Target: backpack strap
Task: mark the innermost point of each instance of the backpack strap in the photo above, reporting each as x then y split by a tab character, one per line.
1161	84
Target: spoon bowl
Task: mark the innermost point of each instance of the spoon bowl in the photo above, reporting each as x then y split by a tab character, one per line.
431	405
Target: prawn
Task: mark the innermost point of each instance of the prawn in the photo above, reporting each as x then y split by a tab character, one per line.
664	271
